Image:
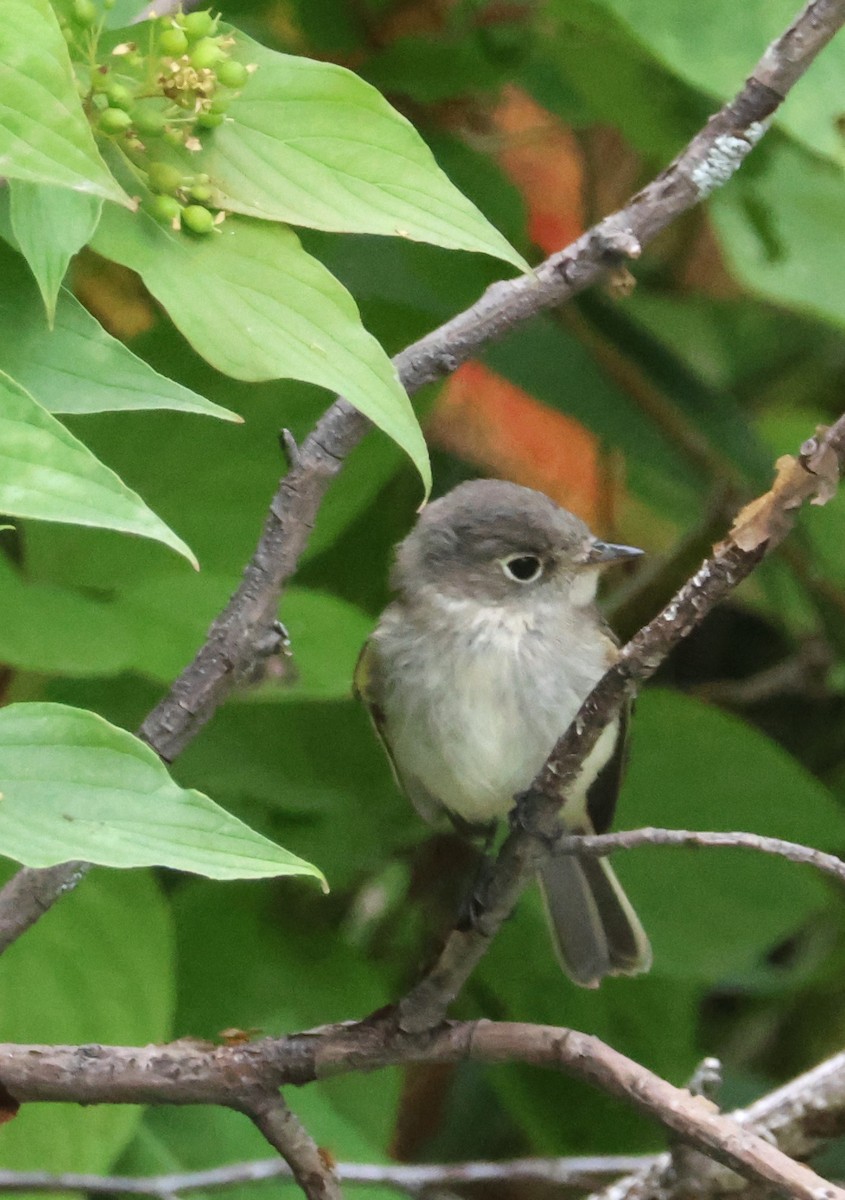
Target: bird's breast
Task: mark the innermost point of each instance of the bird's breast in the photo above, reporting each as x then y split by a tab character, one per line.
473	706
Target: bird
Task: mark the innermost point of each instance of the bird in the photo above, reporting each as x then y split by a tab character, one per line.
478	666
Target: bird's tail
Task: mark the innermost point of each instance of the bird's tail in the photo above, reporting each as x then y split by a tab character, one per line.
593	924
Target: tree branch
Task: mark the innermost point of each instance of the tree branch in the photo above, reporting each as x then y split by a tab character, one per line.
187	1074
569	1173
228	655
311	1169
802	1116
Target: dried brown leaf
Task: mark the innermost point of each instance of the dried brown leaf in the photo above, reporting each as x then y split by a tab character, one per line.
768	517
821	460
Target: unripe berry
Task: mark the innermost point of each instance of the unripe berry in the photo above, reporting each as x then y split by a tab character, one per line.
164	178
149	121
84	12
114	120
199	25
210	120
201	192
197	219
232	74
206	53
172	41
119	95
165	208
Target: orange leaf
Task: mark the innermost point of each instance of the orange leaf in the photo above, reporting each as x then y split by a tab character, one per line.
504	431
543	158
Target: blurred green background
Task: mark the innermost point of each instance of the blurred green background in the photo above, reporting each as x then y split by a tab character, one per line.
654	414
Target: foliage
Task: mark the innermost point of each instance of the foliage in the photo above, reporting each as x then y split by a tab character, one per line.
667	408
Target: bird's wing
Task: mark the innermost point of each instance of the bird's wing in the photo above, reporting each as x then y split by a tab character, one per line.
368	686
604	790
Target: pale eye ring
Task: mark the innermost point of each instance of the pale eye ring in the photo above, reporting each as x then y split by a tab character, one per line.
524	568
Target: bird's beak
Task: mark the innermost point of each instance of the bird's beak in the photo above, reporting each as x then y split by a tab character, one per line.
600	553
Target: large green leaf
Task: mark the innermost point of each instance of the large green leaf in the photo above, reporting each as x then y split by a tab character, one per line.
50	224
312	144
99	967
590	51
48	474
711	913
713	45
218	496
256	306
76	367
74	786
782	230
60	631
44	133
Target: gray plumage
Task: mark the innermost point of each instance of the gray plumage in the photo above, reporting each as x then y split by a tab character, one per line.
478	667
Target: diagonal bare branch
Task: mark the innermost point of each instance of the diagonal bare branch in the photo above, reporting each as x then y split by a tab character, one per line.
309	1166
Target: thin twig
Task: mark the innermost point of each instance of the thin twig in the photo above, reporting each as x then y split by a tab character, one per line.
601	844
575	1173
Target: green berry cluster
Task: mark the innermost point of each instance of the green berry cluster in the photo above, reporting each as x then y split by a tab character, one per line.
166	90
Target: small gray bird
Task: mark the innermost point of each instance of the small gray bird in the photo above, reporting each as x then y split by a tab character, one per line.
478	667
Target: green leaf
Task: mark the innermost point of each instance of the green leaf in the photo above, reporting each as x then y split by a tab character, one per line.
77	367
49	475
44	133
310	143
50	225
218	496
590	51
695	767
256	306
98	967
712	47
782	226
74	786
59	631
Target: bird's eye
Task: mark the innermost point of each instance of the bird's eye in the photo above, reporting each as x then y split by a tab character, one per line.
524	568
